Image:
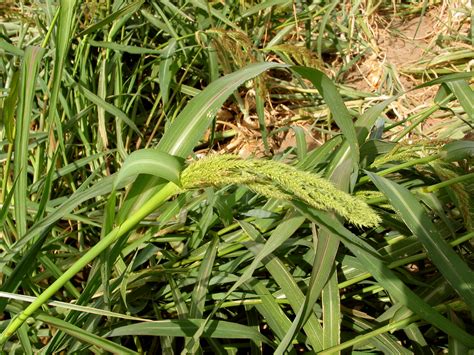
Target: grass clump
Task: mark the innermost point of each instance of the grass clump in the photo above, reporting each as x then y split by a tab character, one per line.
236	252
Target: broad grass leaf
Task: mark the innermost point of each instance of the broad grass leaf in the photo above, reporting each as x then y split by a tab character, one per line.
187	327
11	49
458	150
188	128
464	94
151	162
338	109
85	336
454	269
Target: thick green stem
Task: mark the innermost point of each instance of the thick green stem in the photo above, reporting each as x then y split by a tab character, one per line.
423	160
164	194
456	180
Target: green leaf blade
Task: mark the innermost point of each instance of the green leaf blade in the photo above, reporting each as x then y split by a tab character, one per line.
184	328
151	162
188	128
448	262
29	72
338	109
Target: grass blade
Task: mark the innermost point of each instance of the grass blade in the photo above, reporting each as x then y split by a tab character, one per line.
108	107
29	72
165	72
331	312
124	48
198	298
286	282
131	8
102	187
270	309
183	328
188	128
301	147
338	109
279	235
465	95
456	271
22	269
64	34
199	295
152	162
10	106
85	336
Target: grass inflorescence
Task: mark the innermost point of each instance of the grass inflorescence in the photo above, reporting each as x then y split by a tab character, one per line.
277	180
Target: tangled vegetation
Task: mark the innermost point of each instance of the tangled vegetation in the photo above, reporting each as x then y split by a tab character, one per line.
236	177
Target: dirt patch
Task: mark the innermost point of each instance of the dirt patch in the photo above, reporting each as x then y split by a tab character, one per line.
406	43
405	48
400	43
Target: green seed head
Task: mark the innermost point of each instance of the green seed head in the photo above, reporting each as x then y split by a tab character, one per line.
277	180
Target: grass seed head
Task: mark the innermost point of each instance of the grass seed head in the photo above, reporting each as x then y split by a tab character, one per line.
277	180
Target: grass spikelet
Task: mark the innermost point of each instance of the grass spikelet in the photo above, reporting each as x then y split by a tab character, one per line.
277	180
407	152
299	54
233	48
401	153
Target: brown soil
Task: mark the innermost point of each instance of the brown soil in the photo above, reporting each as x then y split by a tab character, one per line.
403	42
400	43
